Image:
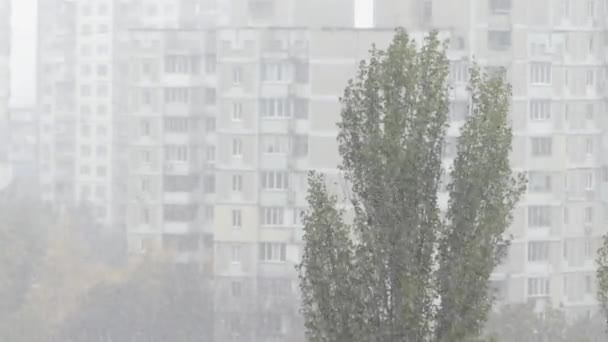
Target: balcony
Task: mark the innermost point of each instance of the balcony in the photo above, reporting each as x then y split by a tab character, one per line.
172	227
179	197
177	168
274	126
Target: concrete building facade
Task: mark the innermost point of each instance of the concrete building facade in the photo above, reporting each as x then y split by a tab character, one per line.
194	123
554	56
56	101
5	46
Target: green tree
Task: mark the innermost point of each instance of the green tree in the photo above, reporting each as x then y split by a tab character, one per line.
385	276
158	300
602	277
519	322
23	239
47	270
483	193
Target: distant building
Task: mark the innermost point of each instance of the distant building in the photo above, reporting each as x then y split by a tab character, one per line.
554	56
23	149
5	45
193	125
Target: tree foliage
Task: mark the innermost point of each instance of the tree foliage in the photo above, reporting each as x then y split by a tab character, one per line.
602	277
519	322
398	272
158	301
54	287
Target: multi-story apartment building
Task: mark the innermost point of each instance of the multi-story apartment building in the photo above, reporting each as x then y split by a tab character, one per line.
554	55
23	149
5	45
201	118
56	101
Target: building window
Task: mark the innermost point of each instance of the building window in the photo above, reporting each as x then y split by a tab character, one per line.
538	251
275	144
588	215
538	287
589	146
236	288
176	153
102	131
274	72
179	213
539	216
273	216
85	90
237	183
210	153
588	181
540	73
588	248
590	112
102	9
590	78
209	213
540	110
145	128
499	40
274	180
566	8
145	216
102	110
177	124
85	70
210	124
100	192
85	170
173	183
209	184
85	29
85	192
273	251
237	111
102	151
85	10
182	64
300	146
271	324
85	50
300	108
539	182
85	150
588	284
102	70
236	254
210	96
177	95
427	11
237	218
500	6
275	108
542	146
210	64
101	171
237	148
591	8
459	71
237	75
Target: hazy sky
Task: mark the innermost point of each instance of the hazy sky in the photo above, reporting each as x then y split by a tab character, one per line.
23	53
365	9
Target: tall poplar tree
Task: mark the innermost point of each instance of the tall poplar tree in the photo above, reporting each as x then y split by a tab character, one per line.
386	276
